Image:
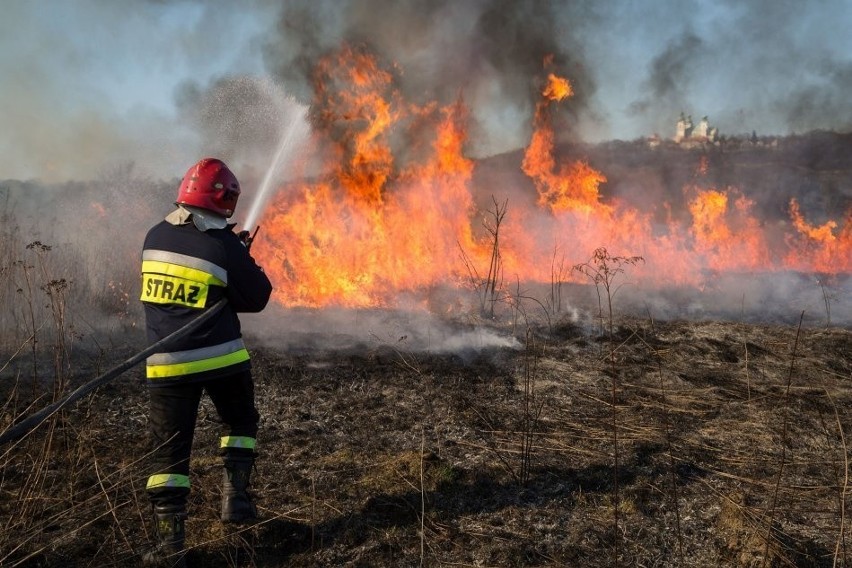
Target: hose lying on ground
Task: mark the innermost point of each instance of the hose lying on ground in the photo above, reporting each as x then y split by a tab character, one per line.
25	426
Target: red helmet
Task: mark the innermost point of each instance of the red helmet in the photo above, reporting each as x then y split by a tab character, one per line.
210	185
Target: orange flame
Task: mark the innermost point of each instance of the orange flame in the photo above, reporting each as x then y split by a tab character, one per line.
729	238
367	234
570	187
818	248
352	99
558	88
374	231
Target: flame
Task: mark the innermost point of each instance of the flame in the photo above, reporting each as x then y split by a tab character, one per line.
558	88
368	233
352	99
570	187
819	248
729	238
382	227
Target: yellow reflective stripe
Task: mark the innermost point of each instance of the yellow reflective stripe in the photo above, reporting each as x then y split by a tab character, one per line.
186	272
159	289
237	442
163	480
209	364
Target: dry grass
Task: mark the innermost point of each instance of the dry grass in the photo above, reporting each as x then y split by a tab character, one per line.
393	459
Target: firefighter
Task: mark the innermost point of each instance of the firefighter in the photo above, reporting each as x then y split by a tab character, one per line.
190	261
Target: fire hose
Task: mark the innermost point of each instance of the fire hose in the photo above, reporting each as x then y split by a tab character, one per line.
31	422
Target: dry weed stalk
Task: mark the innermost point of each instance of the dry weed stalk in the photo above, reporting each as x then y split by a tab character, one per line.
558	273
667	430
53	478
97	499
27	296
531	408
785	406
517	299
495	267
489	289
842	485
411	364
827	297
422	498
603	270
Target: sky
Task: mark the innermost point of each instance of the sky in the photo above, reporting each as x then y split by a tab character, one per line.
90	85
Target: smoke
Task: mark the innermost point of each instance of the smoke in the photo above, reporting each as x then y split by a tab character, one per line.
85	89
491	53
373	330
755	298
825	101
795	68
769	67
671	71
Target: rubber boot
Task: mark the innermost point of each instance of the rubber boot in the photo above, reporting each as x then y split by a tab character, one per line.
237	506
169	527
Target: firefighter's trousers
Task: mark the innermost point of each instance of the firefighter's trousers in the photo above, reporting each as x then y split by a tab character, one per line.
173	412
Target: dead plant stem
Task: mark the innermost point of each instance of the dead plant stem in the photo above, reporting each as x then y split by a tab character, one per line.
422	498
841	537
784	434
313	512
111	506
667	429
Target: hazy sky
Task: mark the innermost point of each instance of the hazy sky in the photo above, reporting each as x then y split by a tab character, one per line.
89	84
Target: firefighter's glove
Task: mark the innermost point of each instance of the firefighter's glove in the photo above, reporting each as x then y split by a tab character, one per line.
246	237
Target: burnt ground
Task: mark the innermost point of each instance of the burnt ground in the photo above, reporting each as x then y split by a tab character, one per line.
726	445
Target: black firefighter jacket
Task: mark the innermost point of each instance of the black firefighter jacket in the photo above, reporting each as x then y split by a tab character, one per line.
184	272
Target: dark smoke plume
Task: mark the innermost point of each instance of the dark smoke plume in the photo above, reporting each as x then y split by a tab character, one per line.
670	72
491	52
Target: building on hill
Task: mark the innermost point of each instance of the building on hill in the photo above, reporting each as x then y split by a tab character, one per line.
684	128
691	135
